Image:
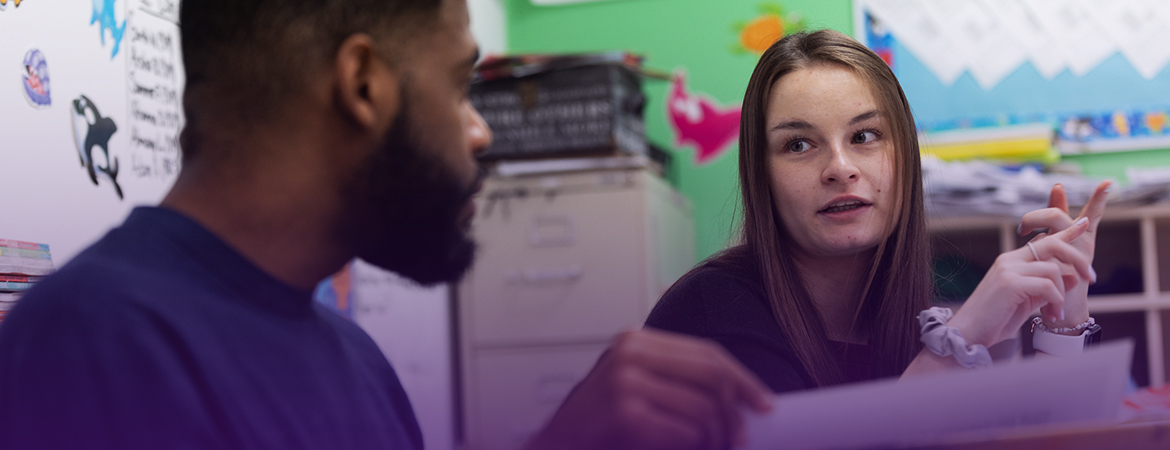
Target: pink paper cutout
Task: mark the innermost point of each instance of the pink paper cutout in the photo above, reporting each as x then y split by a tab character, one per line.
697	121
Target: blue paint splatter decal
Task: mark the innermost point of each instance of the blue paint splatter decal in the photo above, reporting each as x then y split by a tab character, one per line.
35	79
103	14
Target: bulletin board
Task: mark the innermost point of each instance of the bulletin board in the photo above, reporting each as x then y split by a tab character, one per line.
91	94
972	63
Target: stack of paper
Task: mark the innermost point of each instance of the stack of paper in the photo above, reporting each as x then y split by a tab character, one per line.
1078	390
22	264
969	188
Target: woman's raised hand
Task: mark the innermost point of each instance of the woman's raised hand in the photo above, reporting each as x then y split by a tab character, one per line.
1056	218
1052	273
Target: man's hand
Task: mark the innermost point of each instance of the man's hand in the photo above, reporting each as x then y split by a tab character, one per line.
657	390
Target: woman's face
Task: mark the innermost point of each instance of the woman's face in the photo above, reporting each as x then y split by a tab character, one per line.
830	157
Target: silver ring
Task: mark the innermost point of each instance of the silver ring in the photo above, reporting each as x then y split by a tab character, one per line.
1033	249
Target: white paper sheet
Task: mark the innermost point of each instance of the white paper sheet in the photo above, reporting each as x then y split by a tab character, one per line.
921	32
1138	27
990	39
1081	389
1024	29
1079	37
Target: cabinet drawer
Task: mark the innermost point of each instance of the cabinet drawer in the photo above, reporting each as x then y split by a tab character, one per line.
556	269
514	392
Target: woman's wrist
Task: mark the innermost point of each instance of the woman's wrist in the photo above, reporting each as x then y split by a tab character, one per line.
1076	310
1072	318
1057	326
944	339
968	331
1039	325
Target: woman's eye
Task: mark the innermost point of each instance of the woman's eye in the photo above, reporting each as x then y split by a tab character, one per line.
798	146
865	137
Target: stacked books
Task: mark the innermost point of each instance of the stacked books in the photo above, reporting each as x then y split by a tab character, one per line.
1019	143
22	264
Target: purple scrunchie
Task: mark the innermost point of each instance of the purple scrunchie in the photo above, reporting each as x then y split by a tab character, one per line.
946	341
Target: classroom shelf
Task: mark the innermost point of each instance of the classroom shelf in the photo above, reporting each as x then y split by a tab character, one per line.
1132	261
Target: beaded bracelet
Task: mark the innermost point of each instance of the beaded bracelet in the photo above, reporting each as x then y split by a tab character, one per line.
1038	323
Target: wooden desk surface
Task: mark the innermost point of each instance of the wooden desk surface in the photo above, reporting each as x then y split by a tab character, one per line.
1136	436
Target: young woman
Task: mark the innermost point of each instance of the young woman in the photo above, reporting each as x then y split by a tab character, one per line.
833	268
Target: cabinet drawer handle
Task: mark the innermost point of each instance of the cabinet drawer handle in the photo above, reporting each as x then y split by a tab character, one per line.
539	276
551	231
552	388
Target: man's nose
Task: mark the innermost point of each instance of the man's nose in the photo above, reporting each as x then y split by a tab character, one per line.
479	134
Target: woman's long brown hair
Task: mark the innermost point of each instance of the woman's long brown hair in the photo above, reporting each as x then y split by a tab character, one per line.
899	282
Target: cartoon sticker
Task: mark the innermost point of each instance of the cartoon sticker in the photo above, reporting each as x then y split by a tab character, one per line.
1120	123
103	15
91	130
35	79
1113	126
771	25
699	122
879	39
4	4
1156	122
337	291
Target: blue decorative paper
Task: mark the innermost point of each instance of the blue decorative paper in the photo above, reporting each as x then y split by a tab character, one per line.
103	14
1025	96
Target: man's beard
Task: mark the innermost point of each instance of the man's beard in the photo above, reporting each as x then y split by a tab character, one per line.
403	208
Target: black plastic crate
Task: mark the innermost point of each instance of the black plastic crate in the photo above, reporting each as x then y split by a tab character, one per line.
588	110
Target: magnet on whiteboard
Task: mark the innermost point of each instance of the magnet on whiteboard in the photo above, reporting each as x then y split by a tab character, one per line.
91	130
35	79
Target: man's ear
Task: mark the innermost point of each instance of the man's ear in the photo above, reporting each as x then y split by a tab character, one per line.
367	85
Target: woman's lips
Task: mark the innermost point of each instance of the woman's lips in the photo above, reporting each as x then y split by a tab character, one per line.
844	206
846	211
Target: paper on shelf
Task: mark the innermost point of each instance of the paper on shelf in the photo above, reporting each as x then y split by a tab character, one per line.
1086	388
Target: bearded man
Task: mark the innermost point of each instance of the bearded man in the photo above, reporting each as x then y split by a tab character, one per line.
318	131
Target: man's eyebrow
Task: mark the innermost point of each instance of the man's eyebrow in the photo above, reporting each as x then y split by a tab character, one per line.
865	116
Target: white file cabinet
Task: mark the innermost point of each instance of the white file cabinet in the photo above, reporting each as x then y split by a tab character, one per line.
565	262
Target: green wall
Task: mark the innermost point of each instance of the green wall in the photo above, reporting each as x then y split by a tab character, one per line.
1113	164
695	35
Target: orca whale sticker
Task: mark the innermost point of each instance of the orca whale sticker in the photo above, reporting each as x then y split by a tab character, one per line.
35	79
91	130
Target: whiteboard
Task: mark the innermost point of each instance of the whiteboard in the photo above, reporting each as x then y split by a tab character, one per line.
120	58
411	325
50	198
